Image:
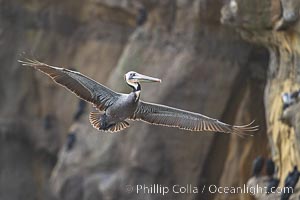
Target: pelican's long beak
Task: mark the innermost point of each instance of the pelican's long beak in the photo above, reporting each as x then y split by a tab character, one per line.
144	78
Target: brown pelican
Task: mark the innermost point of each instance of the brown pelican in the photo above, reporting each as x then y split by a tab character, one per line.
114	108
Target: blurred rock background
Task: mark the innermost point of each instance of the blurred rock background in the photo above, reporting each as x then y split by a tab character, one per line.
231	60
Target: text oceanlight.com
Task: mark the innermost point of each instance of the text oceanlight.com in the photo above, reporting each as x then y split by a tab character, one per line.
213	189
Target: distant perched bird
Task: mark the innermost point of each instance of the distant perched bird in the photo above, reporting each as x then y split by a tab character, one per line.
48	122
270	167
272	182
118	107
257	165
292	177
289	115
290	98
142	16
290	182
272	185
80	109
70	142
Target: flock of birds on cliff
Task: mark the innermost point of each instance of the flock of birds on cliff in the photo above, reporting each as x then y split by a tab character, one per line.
115	108
288	99
272	184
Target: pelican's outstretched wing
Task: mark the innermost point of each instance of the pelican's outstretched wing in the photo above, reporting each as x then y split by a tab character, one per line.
82	86
173	117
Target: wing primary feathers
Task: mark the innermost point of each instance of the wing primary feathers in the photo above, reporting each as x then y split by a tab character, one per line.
83	86
168	116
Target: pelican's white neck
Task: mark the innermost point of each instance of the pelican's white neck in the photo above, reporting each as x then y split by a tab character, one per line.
136	87
133	85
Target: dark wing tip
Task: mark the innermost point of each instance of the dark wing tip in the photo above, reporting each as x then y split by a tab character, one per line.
245	130
30	63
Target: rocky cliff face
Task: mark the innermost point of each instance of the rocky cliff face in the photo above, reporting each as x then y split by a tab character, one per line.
274	24
206	67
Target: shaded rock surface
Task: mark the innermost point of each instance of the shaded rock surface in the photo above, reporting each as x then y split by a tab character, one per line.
205	66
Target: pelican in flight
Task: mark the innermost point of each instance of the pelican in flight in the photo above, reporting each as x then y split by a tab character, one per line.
113	109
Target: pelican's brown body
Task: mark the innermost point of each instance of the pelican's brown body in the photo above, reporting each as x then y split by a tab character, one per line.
122	109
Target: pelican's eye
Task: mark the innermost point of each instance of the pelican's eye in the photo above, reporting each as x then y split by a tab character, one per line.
132	75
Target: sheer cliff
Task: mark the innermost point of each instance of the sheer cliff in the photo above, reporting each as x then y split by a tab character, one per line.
231	60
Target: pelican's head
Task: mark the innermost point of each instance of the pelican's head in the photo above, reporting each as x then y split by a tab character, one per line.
133	79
